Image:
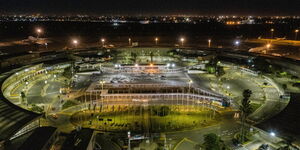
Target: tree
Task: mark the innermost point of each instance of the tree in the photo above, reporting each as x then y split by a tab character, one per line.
212	66
151	56
284	86
220	71
133	57
67	72
36	108
23	96
246	110
76	69
213	142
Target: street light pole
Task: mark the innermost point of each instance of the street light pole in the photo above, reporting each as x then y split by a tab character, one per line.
272	33
296	34
182	41
129	136
209	43
156	40
75	43
38	32
268	47
190	82
237	43
103	41
129	41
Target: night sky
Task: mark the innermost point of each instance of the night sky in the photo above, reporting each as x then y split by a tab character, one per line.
152	7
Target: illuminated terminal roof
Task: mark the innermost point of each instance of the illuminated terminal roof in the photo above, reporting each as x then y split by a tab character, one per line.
12	117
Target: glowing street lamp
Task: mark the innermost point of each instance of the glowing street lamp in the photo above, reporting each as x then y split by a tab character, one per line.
156	40
129	137
75	42
237	43
209	43
273	134
268	46
296	34
182	41
38	32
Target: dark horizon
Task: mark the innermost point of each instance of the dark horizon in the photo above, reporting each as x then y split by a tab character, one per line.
153	7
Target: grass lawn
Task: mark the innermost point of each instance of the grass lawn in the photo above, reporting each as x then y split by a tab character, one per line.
142	120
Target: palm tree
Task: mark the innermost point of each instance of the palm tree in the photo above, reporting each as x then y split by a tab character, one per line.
151	56
246	110
133	57
23	96
213	142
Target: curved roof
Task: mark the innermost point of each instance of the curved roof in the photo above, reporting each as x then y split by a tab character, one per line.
12	117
